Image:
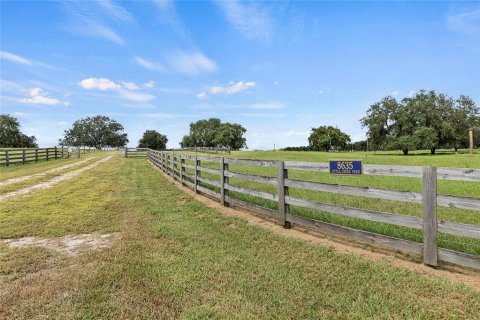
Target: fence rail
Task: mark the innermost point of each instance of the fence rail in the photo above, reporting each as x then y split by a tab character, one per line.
23	156
174	164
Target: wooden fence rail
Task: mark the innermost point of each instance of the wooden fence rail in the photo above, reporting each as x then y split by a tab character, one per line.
174	165
23	156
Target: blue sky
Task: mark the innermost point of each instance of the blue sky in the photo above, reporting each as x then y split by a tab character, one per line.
278	68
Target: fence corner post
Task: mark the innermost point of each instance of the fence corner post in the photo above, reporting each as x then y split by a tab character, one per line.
430	248
125	152
282	192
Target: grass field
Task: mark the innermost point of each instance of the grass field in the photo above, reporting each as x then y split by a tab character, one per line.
177	258
458	188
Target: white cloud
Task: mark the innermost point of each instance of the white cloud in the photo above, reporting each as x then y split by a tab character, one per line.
150	84
202	96
102	84
411	93
169	16
61	123
149	65
395	93
39	96
250	19
231	89
465	22
130	85
15	58
85	19
192	63
126	90
115	11
136	96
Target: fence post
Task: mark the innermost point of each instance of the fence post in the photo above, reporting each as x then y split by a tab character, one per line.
46	154
173	165
23	156
196	174
282	192
182	169
222	181
430	248
36	155
7	158
56	156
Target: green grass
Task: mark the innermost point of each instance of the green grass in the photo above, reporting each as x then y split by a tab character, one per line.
417	158
178	258
18	170
458	188
72	206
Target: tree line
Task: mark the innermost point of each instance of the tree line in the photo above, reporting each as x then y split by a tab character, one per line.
426	120
11	136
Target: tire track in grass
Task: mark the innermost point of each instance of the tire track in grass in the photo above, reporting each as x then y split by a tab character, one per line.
44	173
52	182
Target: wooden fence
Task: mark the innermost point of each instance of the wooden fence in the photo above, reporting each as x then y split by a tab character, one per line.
17	156
135	152
174	165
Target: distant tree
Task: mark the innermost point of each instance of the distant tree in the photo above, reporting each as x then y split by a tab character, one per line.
393	125
425	138
11	136
328	137
202	133
302	148
214	133
153	140
98	132
464	116
230	135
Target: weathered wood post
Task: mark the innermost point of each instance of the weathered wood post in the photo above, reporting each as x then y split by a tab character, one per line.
125	152
196	174
430	248
56	155
36	155
46	154
7	158
222	181
182	169
173	165
283	208
470	134
23	156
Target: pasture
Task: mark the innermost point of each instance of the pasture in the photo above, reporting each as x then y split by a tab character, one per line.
445	187
165	254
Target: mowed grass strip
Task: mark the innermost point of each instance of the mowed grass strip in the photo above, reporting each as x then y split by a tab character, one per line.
83	204
45	177
178	258
20	170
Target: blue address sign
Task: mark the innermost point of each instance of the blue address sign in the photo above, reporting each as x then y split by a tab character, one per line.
346	167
